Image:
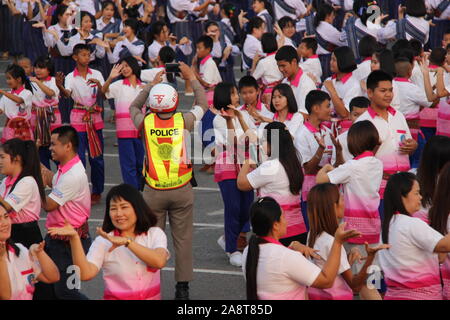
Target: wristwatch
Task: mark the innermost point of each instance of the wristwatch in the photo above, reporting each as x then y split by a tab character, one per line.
128	242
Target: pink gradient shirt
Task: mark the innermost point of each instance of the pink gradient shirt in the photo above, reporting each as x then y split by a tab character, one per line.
126	276
71	191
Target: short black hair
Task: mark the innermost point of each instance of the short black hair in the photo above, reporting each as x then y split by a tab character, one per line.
156	28
80	47
167	54
416	47
94	23
210	23
254	23
287	53
362	136
269	43
402	66
416	8
367	46
345	59
375	77
315	97
285	21
405	53
248	81
133	24
310	43
359	102
437	56
44	62
286	91
222	95
399	45
207	41
67	134
145	218
386	59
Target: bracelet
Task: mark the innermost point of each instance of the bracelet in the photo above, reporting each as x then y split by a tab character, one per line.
128	243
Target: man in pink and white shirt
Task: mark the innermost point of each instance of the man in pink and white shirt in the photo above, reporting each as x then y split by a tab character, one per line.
69	201
287	60
395	137
84	85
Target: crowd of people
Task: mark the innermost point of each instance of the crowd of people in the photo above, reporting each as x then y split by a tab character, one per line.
340	125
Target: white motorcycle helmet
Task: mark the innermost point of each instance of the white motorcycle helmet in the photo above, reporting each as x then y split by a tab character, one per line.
163	98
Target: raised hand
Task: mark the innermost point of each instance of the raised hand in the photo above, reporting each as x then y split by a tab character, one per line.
371	251
116	241
343	235
66	231
305	250
355	256
60	79
116	71
158	78
37	248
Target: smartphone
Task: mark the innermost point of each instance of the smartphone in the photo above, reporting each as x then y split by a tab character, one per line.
172	68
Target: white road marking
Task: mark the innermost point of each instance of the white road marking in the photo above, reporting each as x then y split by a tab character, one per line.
213	271
215	213
196	224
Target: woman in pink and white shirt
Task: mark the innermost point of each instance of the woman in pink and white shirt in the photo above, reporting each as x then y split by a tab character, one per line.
284	108
325	209
411	265
124	91
439	218
16	105
22	191
281	178
274	272
130	250
21	268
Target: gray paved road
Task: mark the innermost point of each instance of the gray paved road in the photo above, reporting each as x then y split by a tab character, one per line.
214	277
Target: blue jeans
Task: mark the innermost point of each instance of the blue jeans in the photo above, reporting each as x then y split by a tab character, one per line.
237	210
131	157
97	164
59	251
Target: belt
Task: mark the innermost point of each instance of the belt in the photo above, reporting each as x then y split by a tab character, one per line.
413	123
82	231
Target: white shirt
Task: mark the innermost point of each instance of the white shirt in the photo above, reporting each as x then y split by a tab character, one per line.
363	70
135	49
410	257
101	24
301	85
155	47
22	270
417	76
411	98
282	273
251	46
51	42
125	275
298	5
87	5
267	70
329	33
433	4
181	5
209	71
99	51
12	109
24	10
312	65
390	30
347	88
221	130
40	98
293	123
270	178
148	75
287	42
25	199
307	146
348	4
340	289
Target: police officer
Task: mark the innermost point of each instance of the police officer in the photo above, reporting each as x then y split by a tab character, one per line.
167	170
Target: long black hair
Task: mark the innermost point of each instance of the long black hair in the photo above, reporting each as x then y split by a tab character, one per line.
27	152
59	11
145	218
345	59
398	186
134	65
286	91
438	214
16	71
435	155
324	10
263	214
286	154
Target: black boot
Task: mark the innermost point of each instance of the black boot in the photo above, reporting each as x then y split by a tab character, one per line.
182	291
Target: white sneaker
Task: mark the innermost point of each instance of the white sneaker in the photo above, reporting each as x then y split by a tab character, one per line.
236	259
221	242
189	94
